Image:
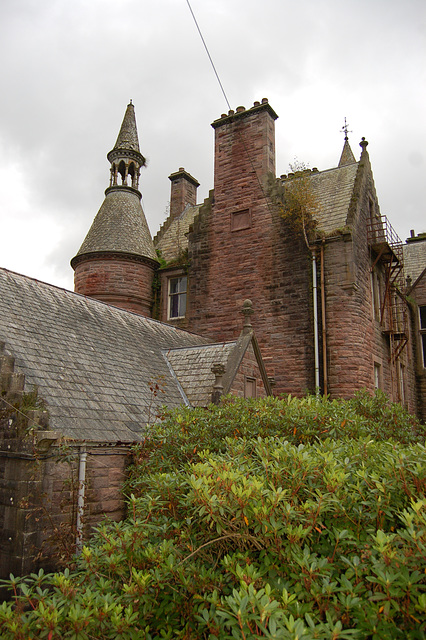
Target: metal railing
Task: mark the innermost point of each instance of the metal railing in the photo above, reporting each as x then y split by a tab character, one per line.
382	237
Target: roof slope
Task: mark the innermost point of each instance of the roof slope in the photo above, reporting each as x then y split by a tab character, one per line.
414	259
333	191
93	363
193	368
347	156
128	135
174	238
120	226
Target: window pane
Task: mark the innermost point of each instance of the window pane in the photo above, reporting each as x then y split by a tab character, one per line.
174	306
377	376
177	296
174	285
422	317
182	304
182	284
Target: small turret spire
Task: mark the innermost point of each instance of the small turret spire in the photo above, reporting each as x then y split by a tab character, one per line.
117	259
347	156
126	158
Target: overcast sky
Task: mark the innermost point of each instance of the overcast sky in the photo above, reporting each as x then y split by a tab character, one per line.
69	68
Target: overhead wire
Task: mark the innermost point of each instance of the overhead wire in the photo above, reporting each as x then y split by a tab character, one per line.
209	56
229	106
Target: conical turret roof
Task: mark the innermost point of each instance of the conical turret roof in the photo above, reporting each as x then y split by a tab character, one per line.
347	156
120	225
128	135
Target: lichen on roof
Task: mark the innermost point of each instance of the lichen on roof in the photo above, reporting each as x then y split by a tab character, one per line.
120	226
92	363
174	240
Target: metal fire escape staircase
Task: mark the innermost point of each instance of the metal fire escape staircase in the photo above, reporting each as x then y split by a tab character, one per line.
387	249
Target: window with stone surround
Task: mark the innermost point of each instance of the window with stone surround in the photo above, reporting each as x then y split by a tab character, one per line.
401	383
377	376
422	324
250	390
177	297
375	293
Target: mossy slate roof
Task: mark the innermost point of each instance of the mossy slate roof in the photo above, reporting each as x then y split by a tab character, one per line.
120	226
332	190
414	259
92	363
128	135
193	368
175	238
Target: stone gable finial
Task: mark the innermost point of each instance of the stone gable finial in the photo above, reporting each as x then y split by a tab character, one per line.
363	144
247	311
218	369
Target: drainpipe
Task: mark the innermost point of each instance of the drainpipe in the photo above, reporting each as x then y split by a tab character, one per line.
324	327
80	498
316	342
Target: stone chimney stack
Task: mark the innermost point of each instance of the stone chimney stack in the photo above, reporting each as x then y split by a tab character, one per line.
183	192
244	153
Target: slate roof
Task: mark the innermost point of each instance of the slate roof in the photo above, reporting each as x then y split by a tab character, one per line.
93	363
128	135
347	156
174	238
332	190
192	366
414	259
120	226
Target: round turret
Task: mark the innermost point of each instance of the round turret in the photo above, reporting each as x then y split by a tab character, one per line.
117	259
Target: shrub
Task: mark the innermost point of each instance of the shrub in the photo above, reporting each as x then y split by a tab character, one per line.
185	432
275	532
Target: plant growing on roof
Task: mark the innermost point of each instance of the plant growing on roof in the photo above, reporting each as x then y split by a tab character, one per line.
297	200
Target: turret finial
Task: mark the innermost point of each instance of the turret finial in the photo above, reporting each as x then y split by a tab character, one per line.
345	130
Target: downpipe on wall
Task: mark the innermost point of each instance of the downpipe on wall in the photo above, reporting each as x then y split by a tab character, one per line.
315	304
324	327
82	456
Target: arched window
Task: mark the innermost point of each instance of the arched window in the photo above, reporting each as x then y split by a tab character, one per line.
132	173
122	172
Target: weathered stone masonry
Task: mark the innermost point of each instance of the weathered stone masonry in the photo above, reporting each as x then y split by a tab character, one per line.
240	248
39	482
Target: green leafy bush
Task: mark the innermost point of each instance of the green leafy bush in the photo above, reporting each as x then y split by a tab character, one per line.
275	532
184	432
